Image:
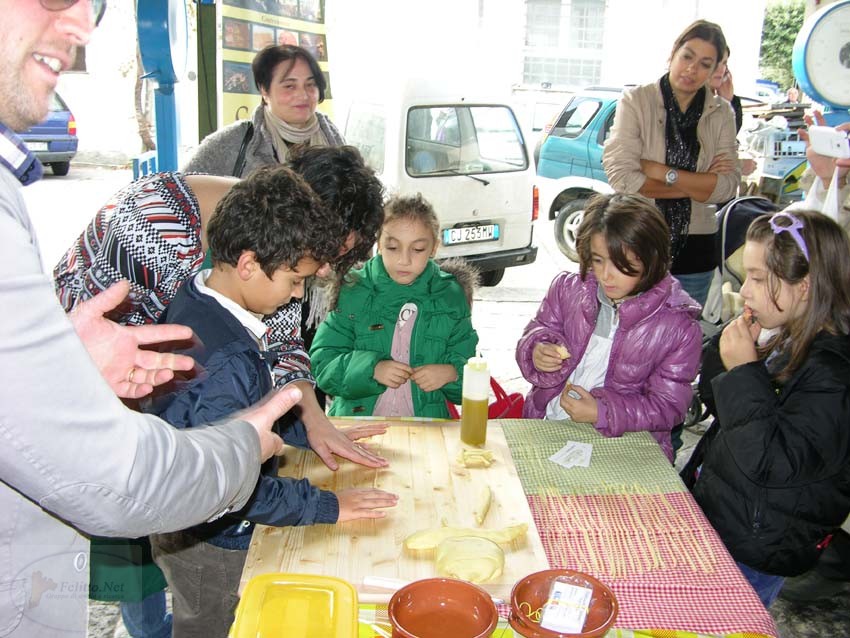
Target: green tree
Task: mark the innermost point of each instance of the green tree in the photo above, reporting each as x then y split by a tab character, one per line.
782	22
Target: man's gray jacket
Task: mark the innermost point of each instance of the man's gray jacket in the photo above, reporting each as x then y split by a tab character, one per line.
75	460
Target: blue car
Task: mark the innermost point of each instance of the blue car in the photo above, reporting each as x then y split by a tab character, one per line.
570	169
54	141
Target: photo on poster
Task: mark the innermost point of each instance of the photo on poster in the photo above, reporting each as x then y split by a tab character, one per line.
315	44
237	77
262	6
247	27
263	37
285	36
312	10
236	34
328	95
285	8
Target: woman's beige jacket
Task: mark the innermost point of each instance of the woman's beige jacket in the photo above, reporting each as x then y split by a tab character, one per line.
639	133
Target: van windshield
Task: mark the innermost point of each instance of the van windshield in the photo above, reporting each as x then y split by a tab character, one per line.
365	129
463	140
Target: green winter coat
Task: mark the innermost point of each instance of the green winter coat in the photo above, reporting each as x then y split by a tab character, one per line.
358	335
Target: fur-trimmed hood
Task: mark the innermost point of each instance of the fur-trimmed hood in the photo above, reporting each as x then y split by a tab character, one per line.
467	275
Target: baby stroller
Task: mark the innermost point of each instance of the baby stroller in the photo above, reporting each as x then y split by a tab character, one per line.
733	220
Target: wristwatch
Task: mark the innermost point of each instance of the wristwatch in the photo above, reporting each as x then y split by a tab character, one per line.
671	177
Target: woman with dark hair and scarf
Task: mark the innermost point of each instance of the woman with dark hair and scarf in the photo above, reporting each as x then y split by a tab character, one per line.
291	86
285	123
673	141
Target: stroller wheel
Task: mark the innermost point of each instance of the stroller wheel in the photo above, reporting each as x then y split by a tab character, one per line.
695	412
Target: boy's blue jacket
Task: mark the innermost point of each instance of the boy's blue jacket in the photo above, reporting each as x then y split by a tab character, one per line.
235	374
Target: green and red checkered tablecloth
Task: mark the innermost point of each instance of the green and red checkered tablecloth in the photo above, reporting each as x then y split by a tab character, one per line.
628	520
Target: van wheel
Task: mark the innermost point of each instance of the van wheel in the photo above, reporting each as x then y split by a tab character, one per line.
491	277
60	168
566	227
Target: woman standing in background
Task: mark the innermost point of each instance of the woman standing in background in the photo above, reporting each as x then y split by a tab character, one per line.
674	141
292	85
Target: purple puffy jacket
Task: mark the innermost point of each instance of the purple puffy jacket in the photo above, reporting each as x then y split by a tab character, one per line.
654	357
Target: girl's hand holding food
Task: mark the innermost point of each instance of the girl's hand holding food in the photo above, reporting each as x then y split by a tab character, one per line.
582	409
738	341
549	357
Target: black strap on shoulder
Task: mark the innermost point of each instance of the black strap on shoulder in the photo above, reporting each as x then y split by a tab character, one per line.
239	166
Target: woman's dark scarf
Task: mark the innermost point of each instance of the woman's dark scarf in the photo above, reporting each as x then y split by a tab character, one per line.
682	153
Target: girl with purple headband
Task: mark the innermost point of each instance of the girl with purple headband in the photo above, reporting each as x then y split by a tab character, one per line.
775	475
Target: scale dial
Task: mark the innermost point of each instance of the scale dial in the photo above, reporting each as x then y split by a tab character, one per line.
821	55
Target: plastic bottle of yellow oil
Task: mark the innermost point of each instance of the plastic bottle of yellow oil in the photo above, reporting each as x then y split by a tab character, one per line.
476	395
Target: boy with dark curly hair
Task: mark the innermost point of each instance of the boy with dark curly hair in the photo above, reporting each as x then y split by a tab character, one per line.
267	235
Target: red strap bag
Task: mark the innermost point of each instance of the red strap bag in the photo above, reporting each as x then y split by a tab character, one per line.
506	406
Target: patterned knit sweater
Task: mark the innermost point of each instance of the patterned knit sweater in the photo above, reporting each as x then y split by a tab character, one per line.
150	234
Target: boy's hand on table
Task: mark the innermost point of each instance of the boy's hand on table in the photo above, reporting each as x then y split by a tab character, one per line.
364	503
364	431
264	414
325	439
392	373
549	357
433	376
130	371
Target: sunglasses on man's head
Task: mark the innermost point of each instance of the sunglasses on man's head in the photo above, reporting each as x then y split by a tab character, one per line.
98	7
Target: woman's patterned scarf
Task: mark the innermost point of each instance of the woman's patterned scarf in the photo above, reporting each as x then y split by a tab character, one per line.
682	152
283	134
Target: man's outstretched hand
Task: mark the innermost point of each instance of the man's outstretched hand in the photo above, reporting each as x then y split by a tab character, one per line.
130	371
263	415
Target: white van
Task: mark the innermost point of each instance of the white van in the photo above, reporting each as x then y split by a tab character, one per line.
467	157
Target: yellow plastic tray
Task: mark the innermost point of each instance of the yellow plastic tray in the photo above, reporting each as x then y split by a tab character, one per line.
296	606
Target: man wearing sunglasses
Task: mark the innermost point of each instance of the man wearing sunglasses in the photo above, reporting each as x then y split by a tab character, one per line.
73	458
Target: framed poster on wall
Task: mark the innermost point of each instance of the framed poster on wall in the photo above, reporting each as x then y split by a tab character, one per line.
247	26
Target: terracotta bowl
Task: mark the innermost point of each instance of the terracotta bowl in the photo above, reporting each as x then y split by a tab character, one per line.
440	607
534	590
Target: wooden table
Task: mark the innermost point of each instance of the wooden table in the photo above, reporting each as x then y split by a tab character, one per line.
627	519
434	490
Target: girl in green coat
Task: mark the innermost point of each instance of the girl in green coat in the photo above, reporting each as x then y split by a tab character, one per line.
402	330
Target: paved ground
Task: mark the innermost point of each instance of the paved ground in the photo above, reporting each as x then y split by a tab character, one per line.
61	206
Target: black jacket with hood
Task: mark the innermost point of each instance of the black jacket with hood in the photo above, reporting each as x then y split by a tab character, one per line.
775	479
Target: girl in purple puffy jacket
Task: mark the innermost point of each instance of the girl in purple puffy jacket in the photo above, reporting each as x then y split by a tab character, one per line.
618	344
